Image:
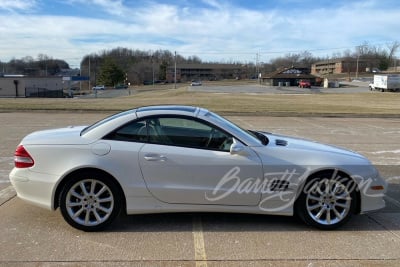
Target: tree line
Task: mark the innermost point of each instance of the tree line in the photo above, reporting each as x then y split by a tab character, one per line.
43	65
374	57
136	66
123	65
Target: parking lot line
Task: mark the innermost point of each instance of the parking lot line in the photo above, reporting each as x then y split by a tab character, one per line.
198	239
6	194
392	200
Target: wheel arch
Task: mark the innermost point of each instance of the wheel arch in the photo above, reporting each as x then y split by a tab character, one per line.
64	181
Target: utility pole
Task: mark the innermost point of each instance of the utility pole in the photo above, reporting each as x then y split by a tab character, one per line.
152	67
89	74
175	72
358	58
256	64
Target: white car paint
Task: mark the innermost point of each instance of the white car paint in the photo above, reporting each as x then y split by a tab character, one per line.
157	177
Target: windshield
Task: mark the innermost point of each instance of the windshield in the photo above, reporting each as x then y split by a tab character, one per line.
234	128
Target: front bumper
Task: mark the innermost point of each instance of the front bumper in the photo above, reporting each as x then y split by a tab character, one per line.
372	195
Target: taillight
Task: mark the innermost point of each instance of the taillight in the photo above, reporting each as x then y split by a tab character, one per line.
22	159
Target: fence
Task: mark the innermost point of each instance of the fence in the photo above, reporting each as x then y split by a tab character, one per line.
43	92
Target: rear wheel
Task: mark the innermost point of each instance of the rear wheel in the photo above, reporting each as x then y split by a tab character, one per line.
327	203
90	201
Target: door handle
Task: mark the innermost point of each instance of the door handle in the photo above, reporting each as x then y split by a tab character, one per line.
154	157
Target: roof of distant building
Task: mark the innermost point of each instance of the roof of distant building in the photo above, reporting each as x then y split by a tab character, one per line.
287	73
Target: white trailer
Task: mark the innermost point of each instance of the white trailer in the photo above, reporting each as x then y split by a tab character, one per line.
386	82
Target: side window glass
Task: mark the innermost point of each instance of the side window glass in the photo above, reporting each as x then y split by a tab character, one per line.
174	131
135	131
188	133
219	140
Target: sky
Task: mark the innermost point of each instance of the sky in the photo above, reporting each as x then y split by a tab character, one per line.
213	30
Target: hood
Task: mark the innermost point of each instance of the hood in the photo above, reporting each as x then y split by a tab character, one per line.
62	136
299	144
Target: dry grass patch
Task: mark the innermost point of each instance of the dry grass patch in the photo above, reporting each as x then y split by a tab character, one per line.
361	104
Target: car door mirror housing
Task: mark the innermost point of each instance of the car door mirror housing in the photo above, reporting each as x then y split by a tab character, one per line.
236	148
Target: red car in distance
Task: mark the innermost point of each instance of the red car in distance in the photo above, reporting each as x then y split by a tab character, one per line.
304	84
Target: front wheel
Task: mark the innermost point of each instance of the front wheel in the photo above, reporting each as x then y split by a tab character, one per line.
90	201
327	203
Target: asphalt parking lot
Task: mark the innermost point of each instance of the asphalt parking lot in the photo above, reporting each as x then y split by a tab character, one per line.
32	236
253	88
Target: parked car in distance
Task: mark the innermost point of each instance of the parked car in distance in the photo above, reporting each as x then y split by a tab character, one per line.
304	84
376	70
98	87
188	159
121	86
195	83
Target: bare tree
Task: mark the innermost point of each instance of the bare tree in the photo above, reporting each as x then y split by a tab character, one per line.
392	50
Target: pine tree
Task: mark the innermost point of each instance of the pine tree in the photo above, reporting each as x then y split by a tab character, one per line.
110	73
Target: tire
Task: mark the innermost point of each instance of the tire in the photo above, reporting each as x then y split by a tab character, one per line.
90	201
325	202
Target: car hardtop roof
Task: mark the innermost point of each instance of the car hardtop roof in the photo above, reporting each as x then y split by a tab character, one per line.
143	111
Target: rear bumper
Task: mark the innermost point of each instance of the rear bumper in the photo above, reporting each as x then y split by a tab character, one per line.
32	187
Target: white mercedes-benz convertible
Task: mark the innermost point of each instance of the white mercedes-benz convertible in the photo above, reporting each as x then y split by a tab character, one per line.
187	159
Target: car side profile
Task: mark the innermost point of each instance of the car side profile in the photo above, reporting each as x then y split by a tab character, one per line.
159	159
99	87
195	83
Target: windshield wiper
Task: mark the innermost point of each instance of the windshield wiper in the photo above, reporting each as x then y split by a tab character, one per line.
264	140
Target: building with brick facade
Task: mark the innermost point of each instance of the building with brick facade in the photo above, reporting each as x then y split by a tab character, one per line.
338	66
188	72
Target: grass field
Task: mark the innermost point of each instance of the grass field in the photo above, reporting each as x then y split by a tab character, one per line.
362	104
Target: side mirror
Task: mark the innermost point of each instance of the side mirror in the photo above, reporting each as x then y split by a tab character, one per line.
236	148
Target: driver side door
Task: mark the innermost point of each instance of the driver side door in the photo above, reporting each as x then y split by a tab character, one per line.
188	161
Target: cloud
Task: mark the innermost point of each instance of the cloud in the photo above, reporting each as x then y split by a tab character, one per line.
214	3
112	7
17	5
214	30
